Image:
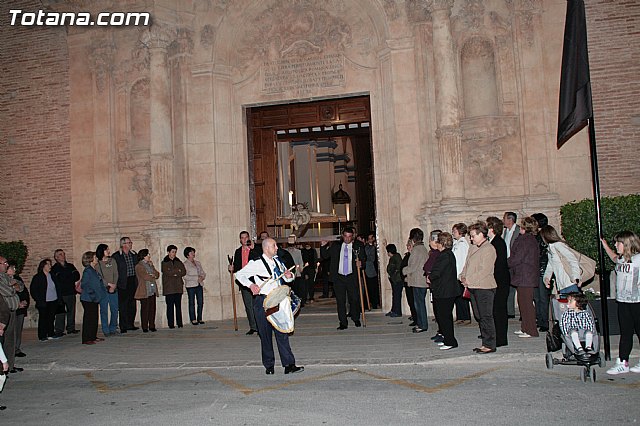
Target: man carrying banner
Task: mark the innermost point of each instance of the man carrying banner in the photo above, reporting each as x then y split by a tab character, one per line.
262	276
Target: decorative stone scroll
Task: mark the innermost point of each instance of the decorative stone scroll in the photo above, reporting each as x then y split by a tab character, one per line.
303	73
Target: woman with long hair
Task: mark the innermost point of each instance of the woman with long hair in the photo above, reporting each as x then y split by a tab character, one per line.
558	250
627	259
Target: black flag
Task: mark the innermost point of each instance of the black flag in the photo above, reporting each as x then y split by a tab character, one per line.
575	84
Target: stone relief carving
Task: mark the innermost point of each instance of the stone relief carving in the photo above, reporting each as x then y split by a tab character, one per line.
183	44
417	10
139	163
157	37
132	69
293	27
101	56
207	35
526	11
391	9
484	158
472	14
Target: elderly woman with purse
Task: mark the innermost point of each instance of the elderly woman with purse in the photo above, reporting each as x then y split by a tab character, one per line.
477	276
147	290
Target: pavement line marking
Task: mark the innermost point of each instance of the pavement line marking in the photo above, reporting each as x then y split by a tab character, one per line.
103	387
428	389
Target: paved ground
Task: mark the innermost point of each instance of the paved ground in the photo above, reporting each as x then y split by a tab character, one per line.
379	375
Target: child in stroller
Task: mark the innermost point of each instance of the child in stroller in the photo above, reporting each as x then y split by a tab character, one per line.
578	325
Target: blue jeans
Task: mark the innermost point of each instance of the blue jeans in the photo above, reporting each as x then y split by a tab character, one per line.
109	303
419	296
193	293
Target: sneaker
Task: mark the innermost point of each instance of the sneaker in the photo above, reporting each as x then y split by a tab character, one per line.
580	352
446	348
620	367
522	334
635	368
590	351
519	332
440	344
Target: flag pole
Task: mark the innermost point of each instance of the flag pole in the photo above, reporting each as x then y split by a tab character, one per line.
604	277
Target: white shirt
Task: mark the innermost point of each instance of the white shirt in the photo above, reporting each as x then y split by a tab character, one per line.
628	280
460	250
508	234
255	269
349	248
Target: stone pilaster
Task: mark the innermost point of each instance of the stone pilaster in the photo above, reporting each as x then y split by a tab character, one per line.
447	108
157	40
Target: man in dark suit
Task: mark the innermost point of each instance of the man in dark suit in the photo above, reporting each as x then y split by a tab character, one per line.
346	257
243	254
503	280
509	235
126	259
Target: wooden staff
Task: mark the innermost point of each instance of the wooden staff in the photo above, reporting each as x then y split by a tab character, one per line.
366	290
364	319
233	294
276	279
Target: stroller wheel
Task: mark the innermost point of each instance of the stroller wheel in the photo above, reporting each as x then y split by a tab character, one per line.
549	360
584	373
593	375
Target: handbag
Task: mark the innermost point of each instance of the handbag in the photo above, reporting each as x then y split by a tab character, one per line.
587	265
554	338
466	294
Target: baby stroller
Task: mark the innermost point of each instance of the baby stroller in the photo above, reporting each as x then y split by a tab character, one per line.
556	341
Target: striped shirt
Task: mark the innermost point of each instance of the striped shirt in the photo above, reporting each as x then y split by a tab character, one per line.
576	320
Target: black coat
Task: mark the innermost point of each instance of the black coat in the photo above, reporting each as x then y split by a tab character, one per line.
122	267
501	268
444	276
332	252
65	278
24	297
38	290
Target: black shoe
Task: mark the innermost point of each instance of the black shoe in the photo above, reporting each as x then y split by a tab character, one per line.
269	370
123	331
544	329
436	336
250	332
180	326
16	370
73	332
293	369
144	330
511	316
410	318
172	326
153	330
418	330
357	323
200	322
3	407
412	324
134	328
58	335
20	354
194	322
342	327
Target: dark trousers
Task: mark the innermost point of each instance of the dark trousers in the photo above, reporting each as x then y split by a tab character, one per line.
89	321
500	318
299	288
541	298
408	292
346	287
374	291
266	331
396	297
70	315
443	310
127	304
629	319
195	293
511	302
247	299
309	276
148	313
527	311
174	302
46	317
463	311
419	299
482	302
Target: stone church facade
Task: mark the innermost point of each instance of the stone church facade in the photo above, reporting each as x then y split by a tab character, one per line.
141	131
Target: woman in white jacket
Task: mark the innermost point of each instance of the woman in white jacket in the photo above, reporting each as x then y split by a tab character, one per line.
566	281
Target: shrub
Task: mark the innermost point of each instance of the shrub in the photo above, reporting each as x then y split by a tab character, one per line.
16	251
579	222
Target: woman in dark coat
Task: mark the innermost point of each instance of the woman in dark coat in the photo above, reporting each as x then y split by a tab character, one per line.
503	280
45	296
93	292
444	289
394	270
524	267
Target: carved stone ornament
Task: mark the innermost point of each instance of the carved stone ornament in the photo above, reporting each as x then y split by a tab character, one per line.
101	54
417	10
293	27
391	9
438	5
526	11
183	44
207	35
134	68
472	14
157	37
140	164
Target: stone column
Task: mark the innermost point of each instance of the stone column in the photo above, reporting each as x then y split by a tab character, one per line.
447	109
157	40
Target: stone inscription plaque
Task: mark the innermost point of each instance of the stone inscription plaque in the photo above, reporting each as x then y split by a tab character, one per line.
289	74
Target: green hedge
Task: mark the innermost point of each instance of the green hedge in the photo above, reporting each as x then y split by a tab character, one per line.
579	222
15	250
